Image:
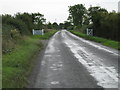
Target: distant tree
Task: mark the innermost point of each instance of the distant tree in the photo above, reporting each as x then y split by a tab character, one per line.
61	25
25	22
27	18
67	24
76	14
6	18
110	26
105	24
17	23
55	25
96	14
49	25
38	20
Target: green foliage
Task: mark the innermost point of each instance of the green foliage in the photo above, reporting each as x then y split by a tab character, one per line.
6	30
76	14
109	26
15	33
67	25
104	24
17	64
70	27
49	26
38	20
14	27
106	42
17	23
55	26
24	22
9	38
61	26
18	47
77	27
27	19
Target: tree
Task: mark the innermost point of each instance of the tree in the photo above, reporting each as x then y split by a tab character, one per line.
38	20
55	25
96	15
110	26
67	25
76	14
27	18
61	25
49	25
24	22
16	23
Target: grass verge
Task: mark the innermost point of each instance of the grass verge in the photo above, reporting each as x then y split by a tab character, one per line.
17	64
106	42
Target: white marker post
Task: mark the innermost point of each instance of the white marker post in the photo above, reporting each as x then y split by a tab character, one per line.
90	32
33	31
42	32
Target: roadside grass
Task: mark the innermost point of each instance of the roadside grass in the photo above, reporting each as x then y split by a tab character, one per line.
103	41
18	64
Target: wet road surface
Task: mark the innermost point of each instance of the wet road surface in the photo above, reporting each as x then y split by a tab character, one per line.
72	62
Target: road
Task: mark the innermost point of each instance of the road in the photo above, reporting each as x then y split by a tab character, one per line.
73	62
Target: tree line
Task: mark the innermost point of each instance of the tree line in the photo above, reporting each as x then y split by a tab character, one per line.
24	22
104	24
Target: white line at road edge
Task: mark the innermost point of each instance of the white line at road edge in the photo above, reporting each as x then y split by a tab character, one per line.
107	77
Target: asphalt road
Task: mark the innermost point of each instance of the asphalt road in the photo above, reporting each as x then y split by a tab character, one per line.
73	62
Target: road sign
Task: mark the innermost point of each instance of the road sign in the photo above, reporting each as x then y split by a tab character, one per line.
38	32
90	32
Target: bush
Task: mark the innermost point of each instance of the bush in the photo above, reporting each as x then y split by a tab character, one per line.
16	23
17	65
15	33
10	36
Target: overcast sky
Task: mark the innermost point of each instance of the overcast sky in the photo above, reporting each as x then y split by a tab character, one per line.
53	10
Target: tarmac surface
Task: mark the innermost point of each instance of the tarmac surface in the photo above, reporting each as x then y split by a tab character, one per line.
72	62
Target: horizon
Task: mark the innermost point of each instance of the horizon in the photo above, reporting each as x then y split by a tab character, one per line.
52	9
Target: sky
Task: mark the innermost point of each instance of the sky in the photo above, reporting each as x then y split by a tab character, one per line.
53	10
